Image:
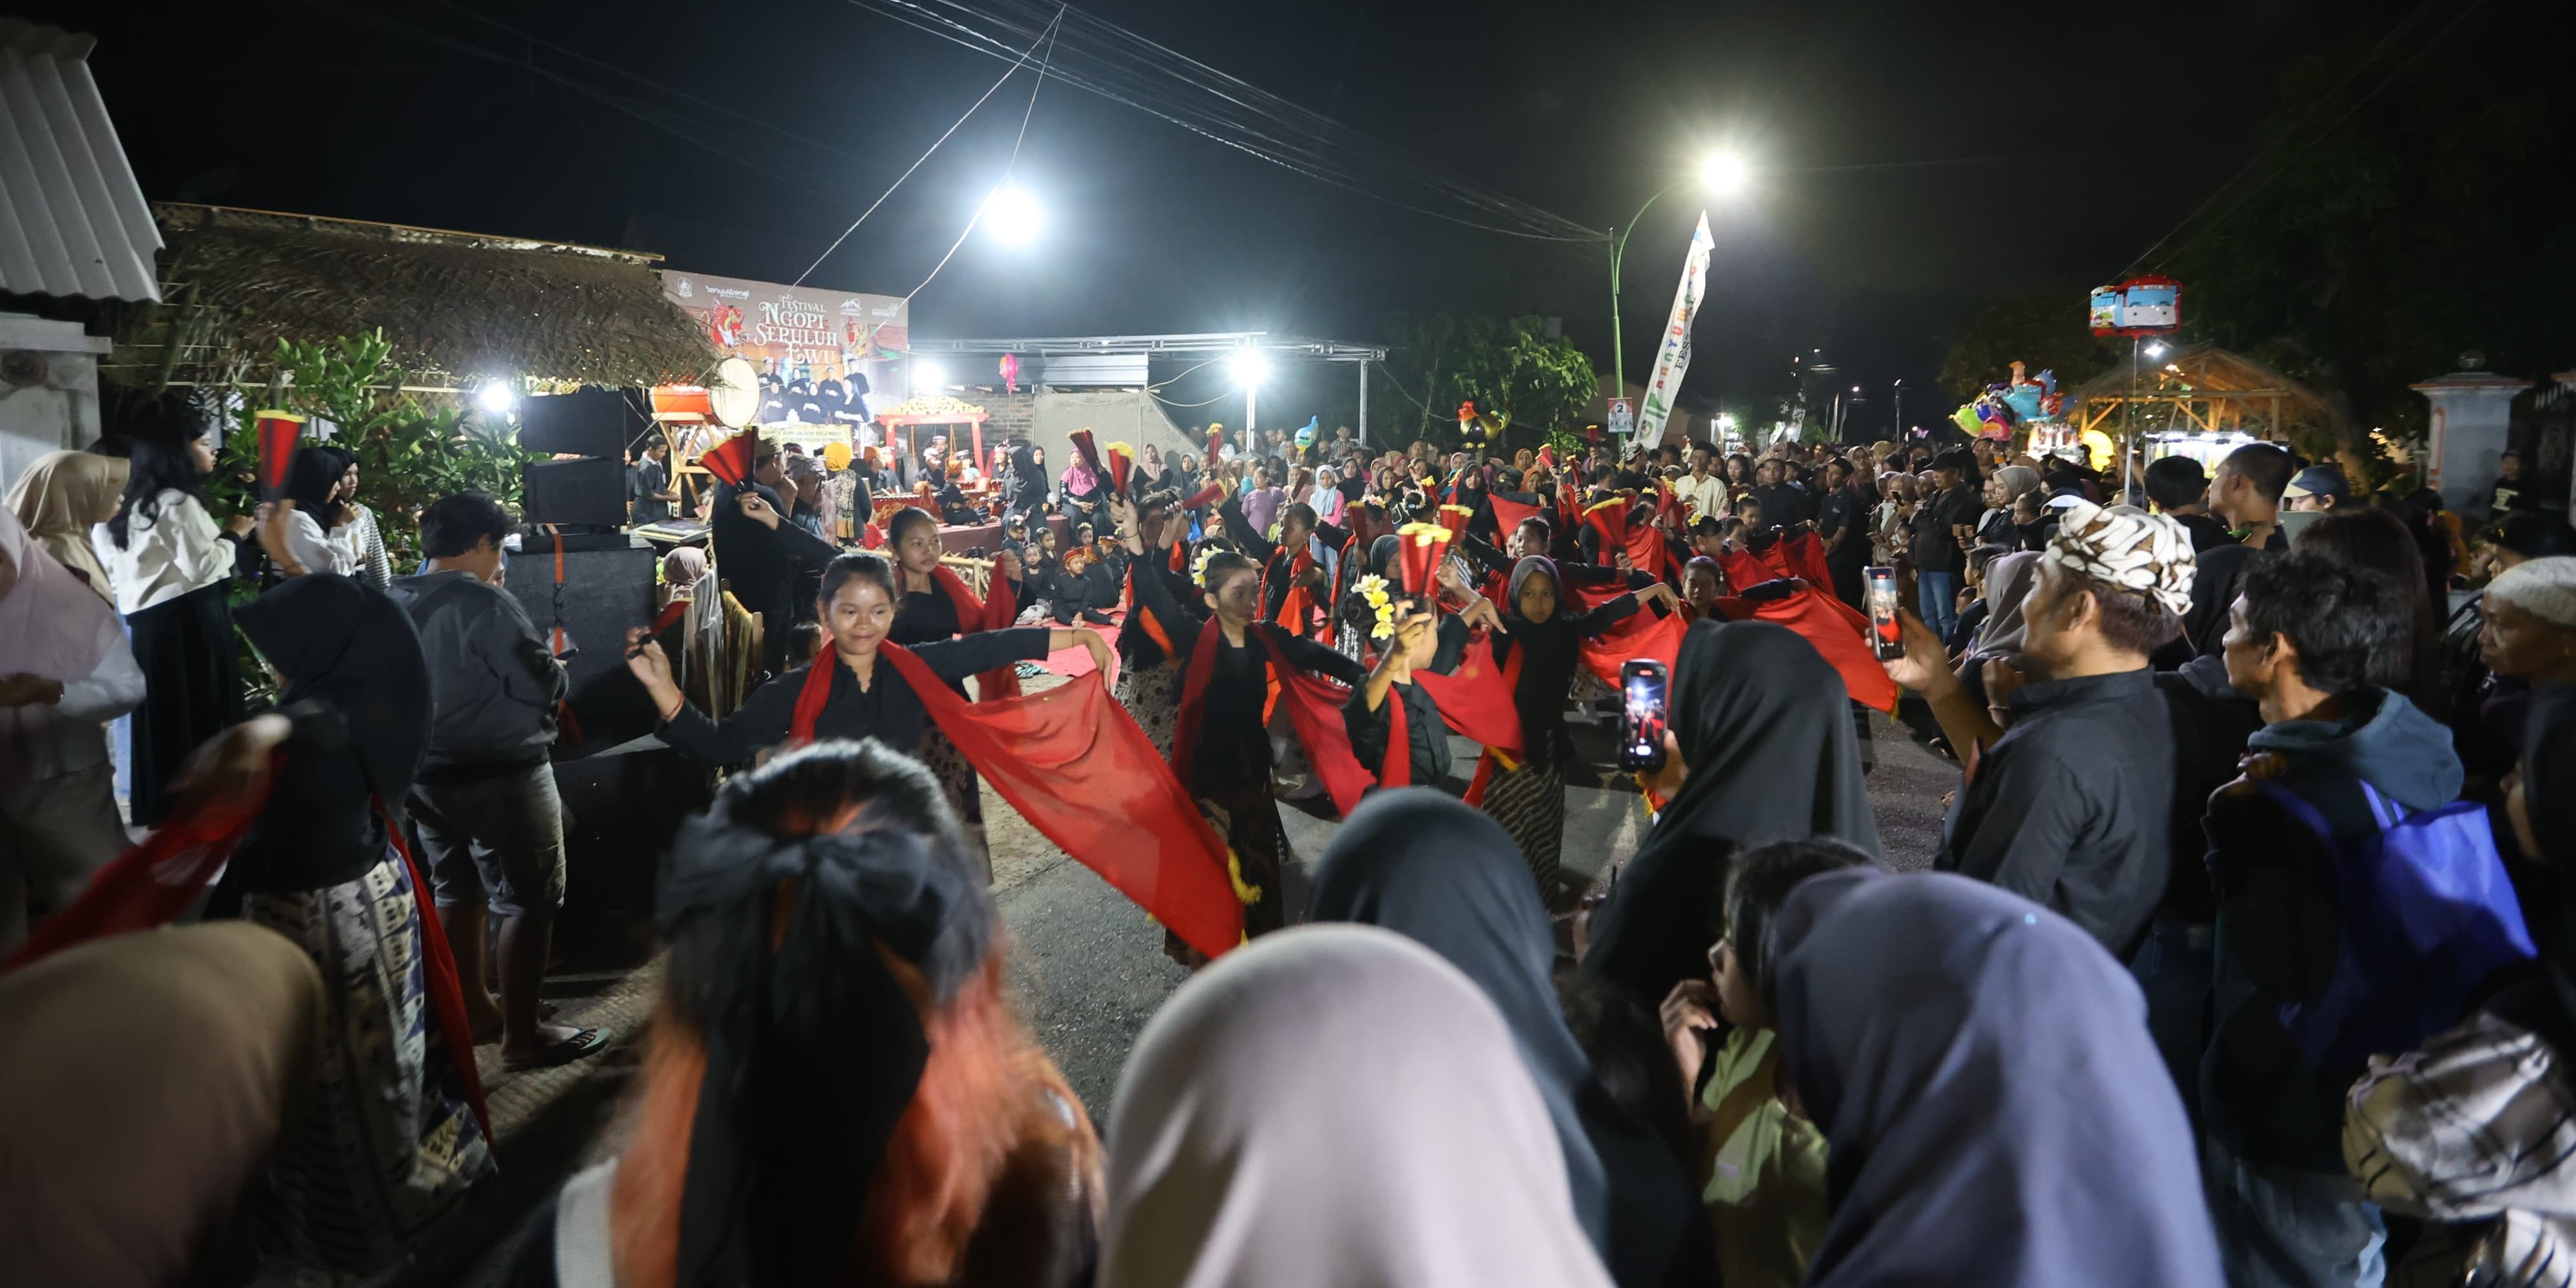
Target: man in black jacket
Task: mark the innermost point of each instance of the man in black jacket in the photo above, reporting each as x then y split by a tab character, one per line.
2300	642
490	822
2069	806
1939	559
757	553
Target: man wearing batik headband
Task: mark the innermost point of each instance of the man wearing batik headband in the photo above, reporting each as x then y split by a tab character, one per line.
2069	805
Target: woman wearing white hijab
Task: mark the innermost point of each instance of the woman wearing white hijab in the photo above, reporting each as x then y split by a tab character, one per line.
1335	1107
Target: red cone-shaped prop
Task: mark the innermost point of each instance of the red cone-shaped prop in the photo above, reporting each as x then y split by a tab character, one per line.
1206	496
278	432
1418	558
1089	452
1610	519
1453	520
1122	465
730	461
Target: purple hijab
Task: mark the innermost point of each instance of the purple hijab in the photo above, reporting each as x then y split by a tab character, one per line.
1996	1111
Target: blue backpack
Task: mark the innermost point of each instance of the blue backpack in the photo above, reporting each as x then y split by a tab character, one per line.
2428	915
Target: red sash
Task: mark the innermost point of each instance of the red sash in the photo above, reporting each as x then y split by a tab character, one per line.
1292	606
1074	764
993	613
1314	709
1833	629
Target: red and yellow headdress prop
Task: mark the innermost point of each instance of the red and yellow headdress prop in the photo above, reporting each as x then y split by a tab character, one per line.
278	432
1088	452
1418	558
1453	520
1610	519
1122	463
731	460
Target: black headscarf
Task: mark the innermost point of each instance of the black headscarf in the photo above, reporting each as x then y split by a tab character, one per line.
311	476
1765	726
813	1048
358	688
1450	878
1993	1107
1382	553
1553	648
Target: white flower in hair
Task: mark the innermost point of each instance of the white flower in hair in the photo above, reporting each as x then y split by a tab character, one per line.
1198	566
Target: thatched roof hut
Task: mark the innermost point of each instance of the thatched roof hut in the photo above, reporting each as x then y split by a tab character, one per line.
2202	386
455	306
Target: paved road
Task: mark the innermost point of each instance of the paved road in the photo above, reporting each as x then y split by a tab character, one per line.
1093	970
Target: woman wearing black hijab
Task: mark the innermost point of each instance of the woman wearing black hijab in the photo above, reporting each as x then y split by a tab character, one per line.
1538	648
1029	476
390	1141
1995	1110
1762	736
1423	865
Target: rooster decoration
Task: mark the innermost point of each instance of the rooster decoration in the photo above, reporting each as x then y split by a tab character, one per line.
1480	427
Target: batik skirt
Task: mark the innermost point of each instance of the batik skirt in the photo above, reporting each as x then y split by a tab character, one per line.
965	795
1152	694
1530	804
386	1141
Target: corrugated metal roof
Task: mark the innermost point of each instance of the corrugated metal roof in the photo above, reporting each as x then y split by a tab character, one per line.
72	219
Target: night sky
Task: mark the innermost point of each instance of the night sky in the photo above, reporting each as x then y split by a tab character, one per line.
1912	158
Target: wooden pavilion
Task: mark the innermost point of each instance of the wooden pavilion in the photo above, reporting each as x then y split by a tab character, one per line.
2198	388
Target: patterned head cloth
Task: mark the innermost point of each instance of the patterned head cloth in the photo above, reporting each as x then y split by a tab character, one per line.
2147	553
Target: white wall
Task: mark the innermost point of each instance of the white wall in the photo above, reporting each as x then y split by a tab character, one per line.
53	412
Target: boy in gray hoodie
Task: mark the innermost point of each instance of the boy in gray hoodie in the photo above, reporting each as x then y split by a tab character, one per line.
2300	642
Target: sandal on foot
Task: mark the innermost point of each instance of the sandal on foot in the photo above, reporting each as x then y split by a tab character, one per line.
585	1043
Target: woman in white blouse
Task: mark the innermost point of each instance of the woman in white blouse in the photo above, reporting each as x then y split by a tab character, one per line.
65	672
172	566
316	526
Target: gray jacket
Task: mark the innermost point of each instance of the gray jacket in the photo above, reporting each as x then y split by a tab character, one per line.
492	681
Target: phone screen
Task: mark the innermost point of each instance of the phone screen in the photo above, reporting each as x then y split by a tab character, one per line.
1886	633
1644	689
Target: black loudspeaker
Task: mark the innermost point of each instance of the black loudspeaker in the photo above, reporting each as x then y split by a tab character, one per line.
604	594
588	492
620	813
586	422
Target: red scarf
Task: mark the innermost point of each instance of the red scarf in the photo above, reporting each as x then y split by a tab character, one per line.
1641	634
1483	697
1292	606
990	614
1074	764
1314	709
151	884
1837	633
1397	768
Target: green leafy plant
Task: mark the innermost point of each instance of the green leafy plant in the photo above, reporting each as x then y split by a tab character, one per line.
409	453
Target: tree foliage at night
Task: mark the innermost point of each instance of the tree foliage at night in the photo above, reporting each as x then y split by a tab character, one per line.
2042	330
2420	226
1436	362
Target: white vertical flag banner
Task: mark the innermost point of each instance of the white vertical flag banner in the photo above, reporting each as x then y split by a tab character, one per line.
1672	359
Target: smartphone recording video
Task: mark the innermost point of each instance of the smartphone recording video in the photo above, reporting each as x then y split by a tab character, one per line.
1886	633
1645	688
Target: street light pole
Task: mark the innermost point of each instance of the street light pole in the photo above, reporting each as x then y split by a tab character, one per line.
1618	257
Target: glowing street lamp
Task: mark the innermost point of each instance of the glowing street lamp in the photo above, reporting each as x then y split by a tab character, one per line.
1012	215
928	375
1722	174
1249	369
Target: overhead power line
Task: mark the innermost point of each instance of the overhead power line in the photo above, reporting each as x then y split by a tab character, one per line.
1104	59
1016	65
